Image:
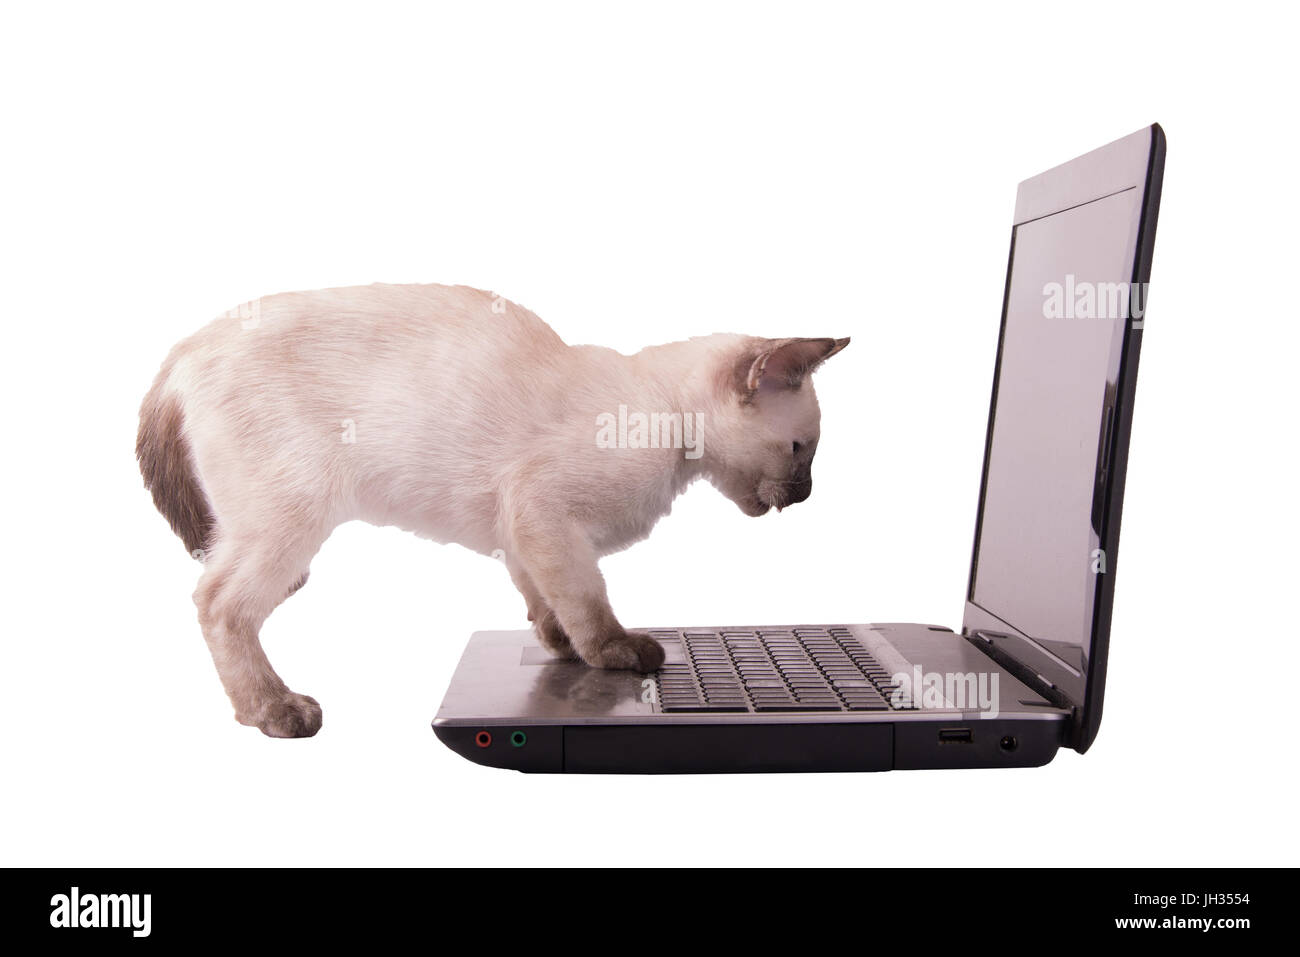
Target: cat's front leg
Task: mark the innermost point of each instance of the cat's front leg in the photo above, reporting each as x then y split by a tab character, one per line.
546	626
559	563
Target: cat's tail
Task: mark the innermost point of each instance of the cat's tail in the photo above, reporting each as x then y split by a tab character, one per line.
163	451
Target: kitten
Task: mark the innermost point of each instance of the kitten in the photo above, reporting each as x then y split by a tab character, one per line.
463	417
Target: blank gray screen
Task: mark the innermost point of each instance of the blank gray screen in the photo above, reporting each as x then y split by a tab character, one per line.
1035	557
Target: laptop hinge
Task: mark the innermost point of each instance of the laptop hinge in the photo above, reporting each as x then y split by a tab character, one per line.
1023	674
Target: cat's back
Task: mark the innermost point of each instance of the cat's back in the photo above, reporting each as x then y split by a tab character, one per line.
343	332
379	313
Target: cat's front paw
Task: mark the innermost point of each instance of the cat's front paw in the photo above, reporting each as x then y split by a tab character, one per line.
292	716
631	651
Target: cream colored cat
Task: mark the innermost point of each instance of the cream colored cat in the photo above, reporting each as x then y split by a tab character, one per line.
463	417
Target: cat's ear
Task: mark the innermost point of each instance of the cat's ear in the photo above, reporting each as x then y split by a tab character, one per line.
783	363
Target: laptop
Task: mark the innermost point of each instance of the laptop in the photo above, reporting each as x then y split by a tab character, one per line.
1025	673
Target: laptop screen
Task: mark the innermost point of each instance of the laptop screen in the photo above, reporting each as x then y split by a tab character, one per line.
1038	553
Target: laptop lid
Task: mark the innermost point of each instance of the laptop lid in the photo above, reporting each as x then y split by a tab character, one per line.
1042	577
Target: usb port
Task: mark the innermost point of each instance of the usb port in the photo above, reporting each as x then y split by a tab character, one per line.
955	736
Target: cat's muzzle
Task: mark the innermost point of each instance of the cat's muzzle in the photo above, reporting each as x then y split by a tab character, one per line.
780	495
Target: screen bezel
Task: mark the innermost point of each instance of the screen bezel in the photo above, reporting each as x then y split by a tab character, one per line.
1134	162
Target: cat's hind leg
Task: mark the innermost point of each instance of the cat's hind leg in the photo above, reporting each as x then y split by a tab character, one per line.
244	579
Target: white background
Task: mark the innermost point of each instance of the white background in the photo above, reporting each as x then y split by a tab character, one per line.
637	175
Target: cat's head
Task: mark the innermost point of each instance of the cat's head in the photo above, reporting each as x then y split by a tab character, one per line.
763	434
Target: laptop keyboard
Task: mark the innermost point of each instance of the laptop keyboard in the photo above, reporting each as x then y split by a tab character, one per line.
771	670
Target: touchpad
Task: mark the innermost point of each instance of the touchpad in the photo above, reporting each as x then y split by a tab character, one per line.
536	655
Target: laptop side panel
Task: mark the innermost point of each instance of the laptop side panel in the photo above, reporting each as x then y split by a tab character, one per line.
752	747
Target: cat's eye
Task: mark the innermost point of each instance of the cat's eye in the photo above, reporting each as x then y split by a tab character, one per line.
798	446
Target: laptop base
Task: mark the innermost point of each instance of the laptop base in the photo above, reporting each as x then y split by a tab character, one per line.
512	706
